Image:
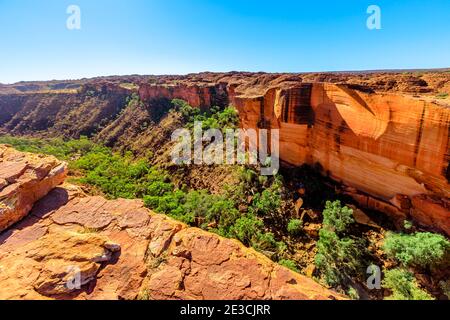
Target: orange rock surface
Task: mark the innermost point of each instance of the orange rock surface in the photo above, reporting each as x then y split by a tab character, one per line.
24	179
383	145
383	134
120	250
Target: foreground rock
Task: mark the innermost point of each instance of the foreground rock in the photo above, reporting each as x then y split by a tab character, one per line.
74	247
24	179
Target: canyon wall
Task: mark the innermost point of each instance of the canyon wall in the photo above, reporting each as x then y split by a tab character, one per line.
390	150
82	112
383	136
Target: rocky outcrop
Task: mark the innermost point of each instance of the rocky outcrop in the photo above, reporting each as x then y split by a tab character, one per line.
24	179
76	247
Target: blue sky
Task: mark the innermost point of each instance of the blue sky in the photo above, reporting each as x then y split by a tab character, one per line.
182	36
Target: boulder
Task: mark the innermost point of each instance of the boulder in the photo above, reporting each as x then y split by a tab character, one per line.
24	179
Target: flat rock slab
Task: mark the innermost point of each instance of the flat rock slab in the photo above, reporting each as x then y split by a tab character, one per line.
117	249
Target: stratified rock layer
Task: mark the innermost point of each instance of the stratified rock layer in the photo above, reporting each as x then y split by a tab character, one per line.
24	179
386	147
383	135
75	247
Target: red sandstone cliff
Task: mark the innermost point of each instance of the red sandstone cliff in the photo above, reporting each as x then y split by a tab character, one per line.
383	135
389	147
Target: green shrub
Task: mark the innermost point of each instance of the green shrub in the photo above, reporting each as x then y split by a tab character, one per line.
337	260
352	293
265	241
214	118
289	264
403	286
407	225
267	202
57	147
336	217
422	249
295	227
246	228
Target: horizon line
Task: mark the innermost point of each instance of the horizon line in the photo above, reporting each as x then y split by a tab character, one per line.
361	71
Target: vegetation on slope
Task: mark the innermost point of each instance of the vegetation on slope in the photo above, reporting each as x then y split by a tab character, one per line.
260	211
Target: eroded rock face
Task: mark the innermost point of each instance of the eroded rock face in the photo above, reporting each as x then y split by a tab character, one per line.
386	135
24	179
384	146
121	250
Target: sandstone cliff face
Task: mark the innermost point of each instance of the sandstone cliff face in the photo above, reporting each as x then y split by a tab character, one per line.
24	179
76	247
385	146
383	135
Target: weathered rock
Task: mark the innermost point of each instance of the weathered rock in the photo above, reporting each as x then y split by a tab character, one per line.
24	179
431	212
383	134
121	250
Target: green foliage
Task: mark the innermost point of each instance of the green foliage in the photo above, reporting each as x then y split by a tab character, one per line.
352	293
289	264
336	217
189	113
422	249
442	95
295	227
121	176
338	258
403	286
408	225
268	202
193	206
57	147
214	118
246	228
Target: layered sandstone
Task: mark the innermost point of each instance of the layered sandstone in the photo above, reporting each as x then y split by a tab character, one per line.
384	146
24	179
384	136
75	247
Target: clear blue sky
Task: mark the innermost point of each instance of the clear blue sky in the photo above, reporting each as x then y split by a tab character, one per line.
182	36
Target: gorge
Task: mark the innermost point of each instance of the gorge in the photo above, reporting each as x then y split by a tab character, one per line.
380	139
